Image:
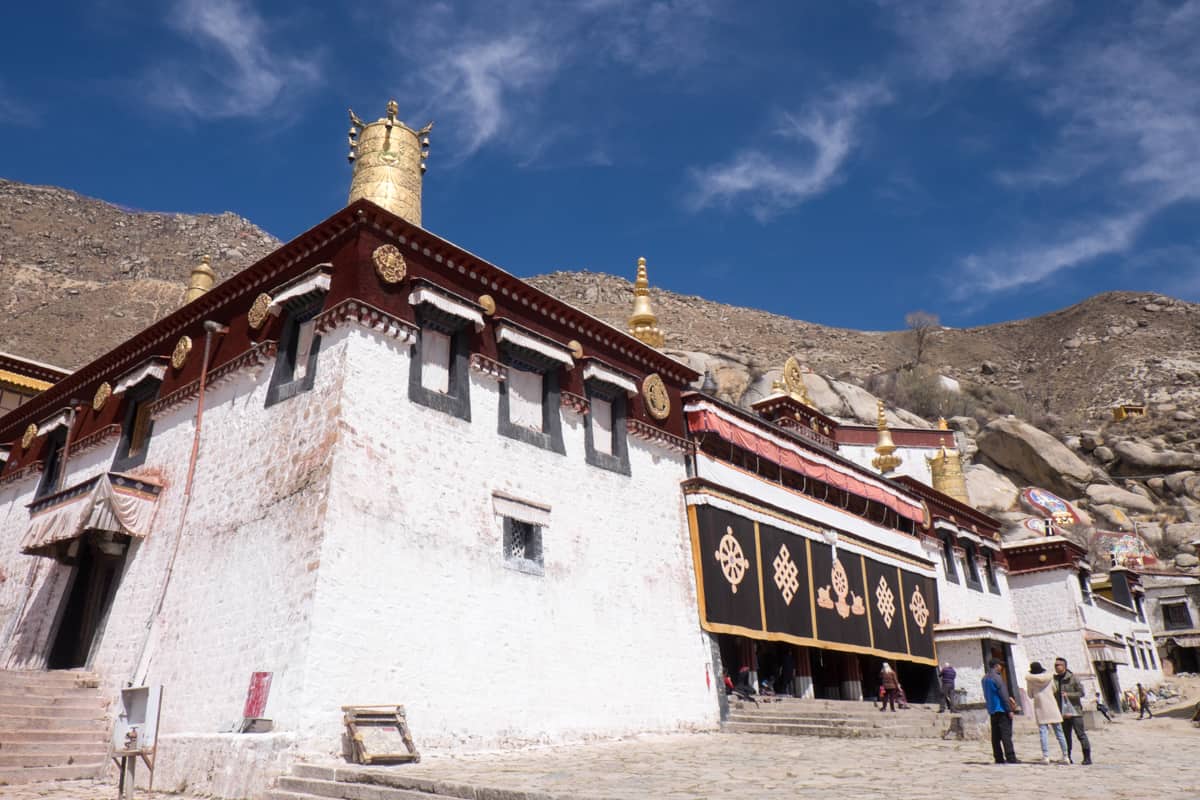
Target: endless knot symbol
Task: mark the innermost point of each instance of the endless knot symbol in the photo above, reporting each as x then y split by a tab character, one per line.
885	601
920	611
785	574
733	560
389	263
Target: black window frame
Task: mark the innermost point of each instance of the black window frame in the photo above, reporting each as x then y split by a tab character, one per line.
534	536
456	401
948	559
52	464
143	394
550	436
1085	589
1170	625
972	577
297	311
989	570
618	460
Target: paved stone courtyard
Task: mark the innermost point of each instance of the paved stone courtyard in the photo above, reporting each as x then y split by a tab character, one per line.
1135	760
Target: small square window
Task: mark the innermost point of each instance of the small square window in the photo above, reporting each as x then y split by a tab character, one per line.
523	545
1175	615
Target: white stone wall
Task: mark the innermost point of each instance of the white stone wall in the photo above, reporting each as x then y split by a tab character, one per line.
415	605
913	460
1121	623
1048	609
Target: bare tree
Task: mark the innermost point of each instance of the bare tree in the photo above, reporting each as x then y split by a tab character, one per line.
921	323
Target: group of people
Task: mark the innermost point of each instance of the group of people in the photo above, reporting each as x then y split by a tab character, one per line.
1057	707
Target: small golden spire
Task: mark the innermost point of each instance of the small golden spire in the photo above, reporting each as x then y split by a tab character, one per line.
642	322
201	280
942	424
886	460
946	470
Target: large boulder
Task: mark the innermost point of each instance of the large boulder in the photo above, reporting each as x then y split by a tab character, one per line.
1186	561
1180	534
1034	455
988	490
1115	518
1138	455
1105	494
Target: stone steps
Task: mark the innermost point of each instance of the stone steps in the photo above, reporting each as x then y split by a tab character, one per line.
291	787
352	782
53	726
831	718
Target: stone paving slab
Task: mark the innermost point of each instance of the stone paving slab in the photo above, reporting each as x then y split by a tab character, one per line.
1134	761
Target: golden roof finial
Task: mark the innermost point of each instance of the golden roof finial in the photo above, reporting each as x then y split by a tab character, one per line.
201	280
942	424
793	380
946	470
886	460
389	160
642	322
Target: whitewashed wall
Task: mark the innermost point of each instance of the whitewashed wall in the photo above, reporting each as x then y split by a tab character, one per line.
913	460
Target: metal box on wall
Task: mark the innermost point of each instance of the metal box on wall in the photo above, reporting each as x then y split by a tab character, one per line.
135	729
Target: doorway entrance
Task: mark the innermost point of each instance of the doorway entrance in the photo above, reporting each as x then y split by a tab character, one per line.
98	563
1110	687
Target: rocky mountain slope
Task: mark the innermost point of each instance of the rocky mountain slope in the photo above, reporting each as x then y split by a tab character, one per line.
80	276
1031	399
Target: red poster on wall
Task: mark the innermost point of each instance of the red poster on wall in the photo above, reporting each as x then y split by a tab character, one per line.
256	695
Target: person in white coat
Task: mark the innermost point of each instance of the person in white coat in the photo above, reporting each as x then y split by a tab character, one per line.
1040	685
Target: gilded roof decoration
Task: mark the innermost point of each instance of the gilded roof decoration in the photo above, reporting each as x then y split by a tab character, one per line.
389	262
179	355
259	309
103	392
654	395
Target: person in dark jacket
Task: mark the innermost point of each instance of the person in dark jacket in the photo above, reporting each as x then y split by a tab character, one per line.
1143	702
947	675
1000	709
1069	695
890	685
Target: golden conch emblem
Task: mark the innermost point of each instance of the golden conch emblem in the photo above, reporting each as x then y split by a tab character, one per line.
654	395
733	560
179	355
103	392
919	609
28	437
786	573
839	585
257	314
389	263
488	304
885	601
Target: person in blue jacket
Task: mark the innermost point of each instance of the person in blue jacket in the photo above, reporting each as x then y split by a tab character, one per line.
1000	709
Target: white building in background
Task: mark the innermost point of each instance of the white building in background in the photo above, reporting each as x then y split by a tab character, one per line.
1172	606
387	472
1103	633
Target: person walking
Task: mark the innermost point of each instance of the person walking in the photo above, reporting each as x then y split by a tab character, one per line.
1102	708
1045	709
1069	696
890	685
1000	709
947	676
1143	702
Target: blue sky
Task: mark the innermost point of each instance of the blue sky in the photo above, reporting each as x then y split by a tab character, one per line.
841	162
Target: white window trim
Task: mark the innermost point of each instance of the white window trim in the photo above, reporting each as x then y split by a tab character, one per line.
593	371
506	333
316	280
60	420
452	307
505	505
151	368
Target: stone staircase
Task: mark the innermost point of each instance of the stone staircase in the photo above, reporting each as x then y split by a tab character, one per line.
316	782
835	718
53	726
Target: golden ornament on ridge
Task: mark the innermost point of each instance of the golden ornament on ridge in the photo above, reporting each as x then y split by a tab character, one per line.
576	348
103	392
389	263
257	315
28	437
654	395
488	304
179	355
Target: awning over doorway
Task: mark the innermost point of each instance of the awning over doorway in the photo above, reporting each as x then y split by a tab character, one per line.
971	631
108	502
1105	648
1184	639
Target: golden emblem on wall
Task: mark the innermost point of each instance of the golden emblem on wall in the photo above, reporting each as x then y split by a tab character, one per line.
885	601
733	560
259	309
919	610
488	304
654	395
576	348
785	574
389	263
103	392
839	585
28	437
179	355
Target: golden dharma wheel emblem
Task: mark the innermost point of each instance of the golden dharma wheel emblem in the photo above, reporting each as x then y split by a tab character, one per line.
103	392
654	395
793	376
28	437
257	314
576	348
389	263
488	304
180	354
732	560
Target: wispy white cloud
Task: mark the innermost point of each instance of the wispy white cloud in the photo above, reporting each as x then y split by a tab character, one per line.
14	111
817	144
1127	106
235	70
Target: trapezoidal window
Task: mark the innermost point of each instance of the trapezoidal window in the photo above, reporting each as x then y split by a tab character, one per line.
299	345
439	375
137	426
1176	616
605	443
529	397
